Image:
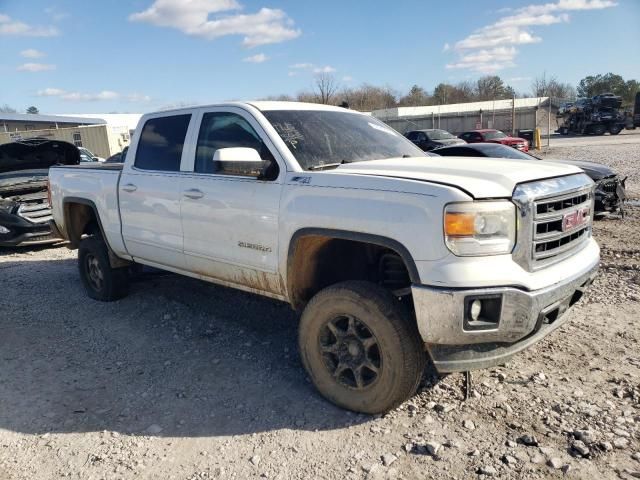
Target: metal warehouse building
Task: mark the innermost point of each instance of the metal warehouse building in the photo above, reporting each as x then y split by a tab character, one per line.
94	134
525	113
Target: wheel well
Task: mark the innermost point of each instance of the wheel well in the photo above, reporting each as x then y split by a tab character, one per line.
80	219
317	261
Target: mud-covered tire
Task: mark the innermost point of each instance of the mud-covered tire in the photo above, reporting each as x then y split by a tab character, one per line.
100	280
396	351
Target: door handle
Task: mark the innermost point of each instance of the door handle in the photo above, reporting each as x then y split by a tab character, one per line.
193	193
129	187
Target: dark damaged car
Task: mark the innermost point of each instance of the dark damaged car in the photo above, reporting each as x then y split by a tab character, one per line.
25	211
610	188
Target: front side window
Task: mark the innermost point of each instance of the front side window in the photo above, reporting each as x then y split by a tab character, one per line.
327	138
225	130
161	143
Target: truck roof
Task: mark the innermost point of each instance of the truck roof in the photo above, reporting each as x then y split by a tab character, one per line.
265	106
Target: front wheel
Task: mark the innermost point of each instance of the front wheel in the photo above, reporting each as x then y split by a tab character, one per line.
361	347
101	281
615	129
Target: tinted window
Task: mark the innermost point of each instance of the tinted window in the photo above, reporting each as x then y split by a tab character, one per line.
459	152
413	136
502	151
161	142
225	130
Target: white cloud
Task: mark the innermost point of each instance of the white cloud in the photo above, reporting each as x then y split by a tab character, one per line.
301	66
518	79
486	61
55	14
9	26
91	97
347	78
35	67
446	47
492	48
325	69
259	58
32	53
192	17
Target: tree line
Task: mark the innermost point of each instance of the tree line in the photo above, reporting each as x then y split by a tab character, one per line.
326	89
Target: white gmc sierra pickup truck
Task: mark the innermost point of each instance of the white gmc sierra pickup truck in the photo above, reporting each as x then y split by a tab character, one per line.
396	259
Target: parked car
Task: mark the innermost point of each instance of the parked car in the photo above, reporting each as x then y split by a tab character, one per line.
610	188
495	136
87	155
395	259
24	207
432	138
118	157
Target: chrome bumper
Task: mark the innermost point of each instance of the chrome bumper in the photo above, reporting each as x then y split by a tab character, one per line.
524	318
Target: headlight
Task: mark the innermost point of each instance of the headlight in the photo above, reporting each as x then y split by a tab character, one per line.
6	206
480	228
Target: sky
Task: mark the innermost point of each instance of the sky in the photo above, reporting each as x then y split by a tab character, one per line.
79	56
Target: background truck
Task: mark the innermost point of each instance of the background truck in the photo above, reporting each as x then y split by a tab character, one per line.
592	116
395	259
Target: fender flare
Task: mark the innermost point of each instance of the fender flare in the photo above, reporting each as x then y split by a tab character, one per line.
354	236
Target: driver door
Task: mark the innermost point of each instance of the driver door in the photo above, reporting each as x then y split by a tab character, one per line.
230	222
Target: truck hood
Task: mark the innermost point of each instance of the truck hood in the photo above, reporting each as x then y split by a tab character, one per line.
489	178
36	153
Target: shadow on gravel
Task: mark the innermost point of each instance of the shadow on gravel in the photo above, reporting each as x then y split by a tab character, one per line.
177	357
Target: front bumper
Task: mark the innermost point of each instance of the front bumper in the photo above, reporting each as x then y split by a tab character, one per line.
525	317
23	233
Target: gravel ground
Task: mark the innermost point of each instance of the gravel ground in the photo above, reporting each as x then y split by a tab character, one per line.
184	380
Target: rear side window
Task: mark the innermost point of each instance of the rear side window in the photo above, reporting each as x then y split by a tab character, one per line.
161	143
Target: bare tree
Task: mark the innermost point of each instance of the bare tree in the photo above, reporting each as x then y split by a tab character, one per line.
543	86
369	97
326	87
7	109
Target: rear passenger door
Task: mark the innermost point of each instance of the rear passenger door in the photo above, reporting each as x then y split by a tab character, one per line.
230	222
149	192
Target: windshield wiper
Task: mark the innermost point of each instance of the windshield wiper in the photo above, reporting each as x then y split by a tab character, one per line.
325	166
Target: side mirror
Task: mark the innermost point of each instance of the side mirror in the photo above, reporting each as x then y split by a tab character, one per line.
244	162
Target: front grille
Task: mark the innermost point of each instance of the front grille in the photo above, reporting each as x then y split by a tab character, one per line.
37	212
555	217
551	237
609	186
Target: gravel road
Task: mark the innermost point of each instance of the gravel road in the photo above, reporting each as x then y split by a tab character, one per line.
185	380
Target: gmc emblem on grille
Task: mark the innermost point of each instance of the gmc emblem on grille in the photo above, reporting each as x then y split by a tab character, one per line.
575	219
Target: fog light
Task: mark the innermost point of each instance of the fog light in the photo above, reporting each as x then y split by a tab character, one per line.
482	312
476	308
4	230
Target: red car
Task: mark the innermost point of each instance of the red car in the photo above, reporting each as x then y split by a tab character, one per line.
495	136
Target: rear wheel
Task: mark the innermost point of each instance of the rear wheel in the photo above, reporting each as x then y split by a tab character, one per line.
100	280
361	347
599	129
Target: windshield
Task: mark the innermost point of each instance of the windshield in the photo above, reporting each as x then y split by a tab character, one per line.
440	135
317	137
493	135
502	151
